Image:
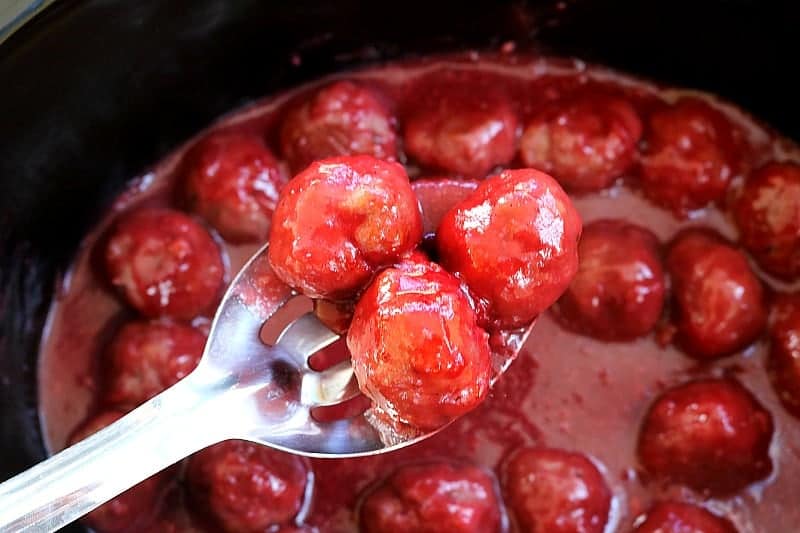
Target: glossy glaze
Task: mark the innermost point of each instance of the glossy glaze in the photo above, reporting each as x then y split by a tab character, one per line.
565	391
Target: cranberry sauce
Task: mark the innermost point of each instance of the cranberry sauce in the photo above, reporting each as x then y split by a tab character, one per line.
565	390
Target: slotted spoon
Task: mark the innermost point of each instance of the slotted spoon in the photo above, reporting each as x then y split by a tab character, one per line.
242	389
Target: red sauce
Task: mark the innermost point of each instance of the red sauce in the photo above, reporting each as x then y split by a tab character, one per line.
564	391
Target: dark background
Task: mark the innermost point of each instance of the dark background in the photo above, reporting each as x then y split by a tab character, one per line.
93	91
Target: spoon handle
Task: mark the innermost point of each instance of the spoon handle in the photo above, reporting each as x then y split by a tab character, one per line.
75	481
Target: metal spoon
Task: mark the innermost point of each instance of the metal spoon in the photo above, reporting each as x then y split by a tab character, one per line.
242	389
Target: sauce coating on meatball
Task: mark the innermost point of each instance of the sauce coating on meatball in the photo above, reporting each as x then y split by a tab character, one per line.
338	221
343	118
711	435
719	305
514	242
164	263
618	292
463	134
232	180
145	358
768	216
246	487
585	142
433	498
691	155
556	491
417	349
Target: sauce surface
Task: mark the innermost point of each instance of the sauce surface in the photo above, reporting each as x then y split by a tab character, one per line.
564	390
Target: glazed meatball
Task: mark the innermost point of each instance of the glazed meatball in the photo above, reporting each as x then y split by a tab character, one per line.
232	180
556	491
690	155
676	517
247	487
135	508
417	350
341	119
165	263
147	357
462	134
433	498
783	363
338	221
437	195
514	241
585	142
618	292
718	302
768	216
711	435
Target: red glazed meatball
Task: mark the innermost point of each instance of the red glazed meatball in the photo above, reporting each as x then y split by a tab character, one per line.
165	263
555	491
618	292
690	155
585	142
338	221
718	301
514	241
135	508
768	216
232	180
341	119
147	357
675	517
466	135
783	363
711	435
436	197
417	350
433	498
247	487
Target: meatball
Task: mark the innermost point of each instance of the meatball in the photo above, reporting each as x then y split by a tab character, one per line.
690	155
514	241
247	487
585	142
618	292
718	303
147	357
768	216
417	350
436	197
676	517
433	498
711	435
341	119
783	363
338	221
232	180
135	508
556	491
165	263
466	135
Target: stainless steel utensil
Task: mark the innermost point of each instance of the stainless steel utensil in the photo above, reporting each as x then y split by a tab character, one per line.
242	389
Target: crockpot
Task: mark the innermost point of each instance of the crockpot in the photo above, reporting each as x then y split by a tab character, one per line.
93	91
